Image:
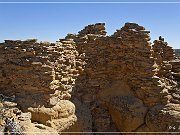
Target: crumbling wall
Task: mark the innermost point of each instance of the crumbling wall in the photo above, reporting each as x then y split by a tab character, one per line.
93	82
121	84
26	70
40	76
118	76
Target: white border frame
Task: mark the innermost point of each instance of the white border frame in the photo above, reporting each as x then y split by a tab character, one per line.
123	2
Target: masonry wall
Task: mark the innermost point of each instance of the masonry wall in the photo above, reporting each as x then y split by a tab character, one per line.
93	82
121	76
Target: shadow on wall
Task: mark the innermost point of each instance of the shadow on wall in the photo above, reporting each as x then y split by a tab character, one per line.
102	86
113	81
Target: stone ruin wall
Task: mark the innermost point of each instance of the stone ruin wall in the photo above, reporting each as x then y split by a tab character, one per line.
93	82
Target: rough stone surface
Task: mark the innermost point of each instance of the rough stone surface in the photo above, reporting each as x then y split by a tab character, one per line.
91	82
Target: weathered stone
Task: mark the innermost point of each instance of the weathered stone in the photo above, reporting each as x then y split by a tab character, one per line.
128	113
114	83
163	118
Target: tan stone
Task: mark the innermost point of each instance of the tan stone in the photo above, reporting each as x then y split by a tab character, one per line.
112	81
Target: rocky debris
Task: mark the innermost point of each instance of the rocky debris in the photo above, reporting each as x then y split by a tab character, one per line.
90	82
12	127
13	120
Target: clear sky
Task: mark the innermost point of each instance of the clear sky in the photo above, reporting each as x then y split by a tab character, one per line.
49	22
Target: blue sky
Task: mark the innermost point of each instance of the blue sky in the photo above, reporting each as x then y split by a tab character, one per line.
49	22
